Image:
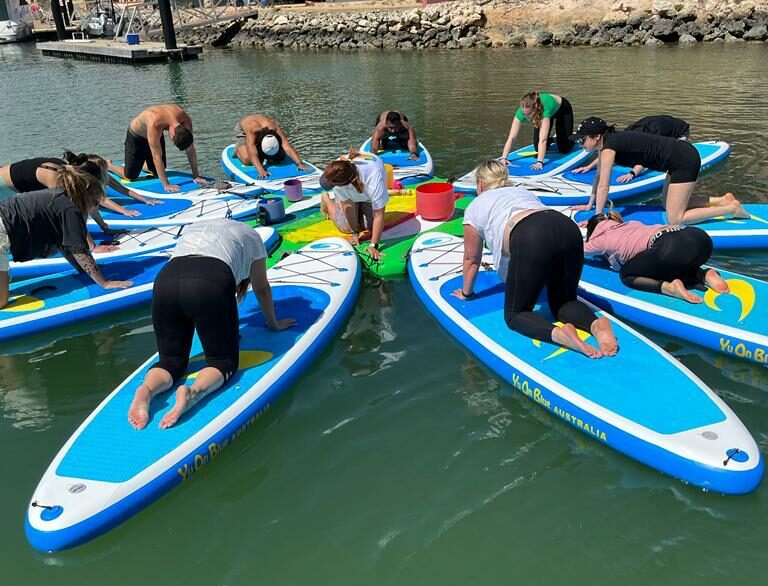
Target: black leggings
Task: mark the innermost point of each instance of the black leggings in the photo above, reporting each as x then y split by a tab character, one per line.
138	153
546	249
674	255
563	123
196	293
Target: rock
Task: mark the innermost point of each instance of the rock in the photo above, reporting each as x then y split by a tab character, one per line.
734	27
281	20
663	8
637	17
664	30
692	29
653	41
729	38
466	42
687	15
686	39
622	6
756	33
544	37
516	41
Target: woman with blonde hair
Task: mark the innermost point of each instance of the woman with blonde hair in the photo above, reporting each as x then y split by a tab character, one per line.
37	224
533	247
546	112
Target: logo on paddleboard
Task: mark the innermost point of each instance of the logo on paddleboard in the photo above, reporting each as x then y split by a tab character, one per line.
326	246
436	240
741	289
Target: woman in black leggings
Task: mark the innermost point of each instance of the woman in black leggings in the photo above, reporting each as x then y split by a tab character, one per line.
212	266
664	259
533	247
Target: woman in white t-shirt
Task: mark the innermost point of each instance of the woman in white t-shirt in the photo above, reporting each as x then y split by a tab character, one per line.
360	196
532	247
211	268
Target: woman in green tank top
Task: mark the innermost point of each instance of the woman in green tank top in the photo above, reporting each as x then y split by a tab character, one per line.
545	112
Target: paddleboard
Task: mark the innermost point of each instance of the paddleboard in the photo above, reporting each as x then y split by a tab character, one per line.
520	161
733	323
404	167
666	418
726	233
175	212
88	489
150	186
279	173
65	298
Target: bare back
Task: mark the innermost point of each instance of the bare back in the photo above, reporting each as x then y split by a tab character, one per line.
161	117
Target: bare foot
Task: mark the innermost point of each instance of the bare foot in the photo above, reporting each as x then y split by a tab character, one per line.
567	336
738	211
714	281
603	332
182	399
729	198
138	414
677	289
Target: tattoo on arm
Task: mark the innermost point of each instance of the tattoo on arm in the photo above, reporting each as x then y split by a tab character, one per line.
86	262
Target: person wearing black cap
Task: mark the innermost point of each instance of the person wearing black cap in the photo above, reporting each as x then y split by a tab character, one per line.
679	159
661	125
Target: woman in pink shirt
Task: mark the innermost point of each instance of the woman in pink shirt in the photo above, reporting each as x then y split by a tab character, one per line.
663	259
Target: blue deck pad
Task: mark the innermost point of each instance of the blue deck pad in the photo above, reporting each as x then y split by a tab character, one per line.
152	184
705	150
664	400
655	214
743	308
110	450
66	288
148	212
520	161
399	158
285	170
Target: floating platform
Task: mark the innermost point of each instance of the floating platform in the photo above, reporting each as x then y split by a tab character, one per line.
110	51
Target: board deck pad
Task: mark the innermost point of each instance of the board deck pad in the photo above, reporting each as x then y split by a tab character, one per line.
150	185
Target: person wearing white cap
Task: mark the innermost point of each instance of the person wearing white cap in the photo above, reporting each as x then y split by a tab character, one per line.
260	142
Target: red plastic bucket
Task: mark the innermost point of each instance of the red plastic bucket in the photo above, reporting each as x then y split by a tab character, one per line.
435	201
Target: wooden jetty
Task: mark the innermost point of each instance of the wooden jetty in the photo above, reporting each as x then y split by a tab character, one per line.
111	51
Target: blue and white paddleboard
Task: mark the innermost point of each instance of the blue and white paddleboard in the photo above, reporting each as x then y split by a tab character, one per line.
279	174
61	299
666	418
150	186
571	188
520	162
107	471
404	167
175	212
726	233
734	323
129	245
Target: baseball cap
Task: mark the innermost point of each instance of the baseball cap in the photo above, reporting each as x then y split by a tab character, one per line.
270	145
590	127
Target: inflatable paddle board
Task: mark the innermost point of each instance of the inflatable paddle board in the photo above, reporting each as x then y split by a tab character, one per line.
150	186
726	233
88	489
404	167
279	173
175	212
666	418
61	299
520	161
734	323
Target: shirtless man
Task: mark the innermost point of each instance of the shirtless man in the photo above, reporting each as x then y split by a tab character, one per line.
259	138
393	132
145	143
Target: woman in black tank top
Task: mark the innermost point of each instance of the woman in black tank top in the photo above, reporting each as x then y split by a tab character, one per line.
679	159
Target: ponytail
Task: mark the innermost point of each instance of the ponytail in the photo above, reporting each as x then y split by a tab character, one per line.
84	188
532	101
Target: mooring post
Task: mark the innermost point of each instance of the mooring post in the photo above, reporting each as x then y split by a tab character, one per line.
58	19
166	18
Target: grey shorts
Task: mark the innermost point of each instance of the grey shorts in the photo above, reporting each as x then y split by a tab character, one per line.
364	216
239	135
5	248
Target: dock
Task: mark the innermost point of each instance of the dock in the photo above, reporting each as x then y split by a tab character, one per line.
110	51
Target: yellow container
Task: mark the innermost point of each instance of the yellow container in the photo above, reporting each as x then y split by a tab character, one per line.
390	171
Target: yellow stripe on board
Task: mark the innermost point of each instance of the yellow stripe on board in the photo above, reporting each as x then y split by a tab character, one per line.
22	303
248	359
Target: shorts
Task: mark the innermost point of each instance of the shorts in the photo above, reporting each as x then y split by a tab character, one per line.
339	218
138	153
684	163
239	135
5	248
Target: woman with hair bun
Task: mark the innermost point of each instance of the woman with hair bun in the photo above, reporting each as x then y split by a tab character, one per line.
546	112
360	196
533	247
37	224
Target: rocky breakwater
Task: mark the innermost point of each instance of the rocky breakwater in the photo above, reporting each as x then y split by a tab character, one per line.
451	26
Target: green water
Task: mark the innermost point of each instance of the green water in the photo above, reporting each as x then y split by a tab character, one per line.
397	459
